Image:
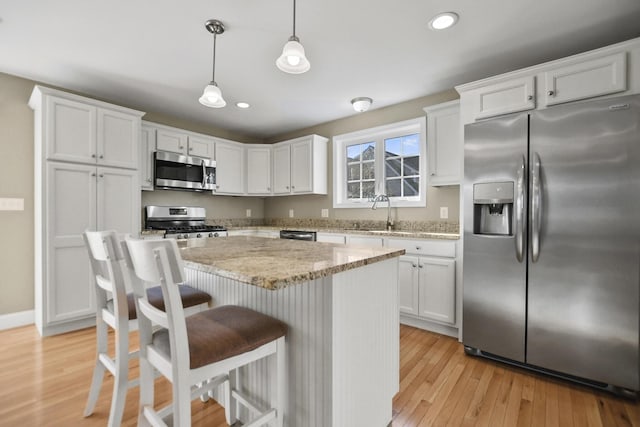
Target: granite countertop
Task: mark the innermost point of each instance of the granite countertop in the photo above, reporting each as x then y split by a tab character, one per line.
407	234
276	263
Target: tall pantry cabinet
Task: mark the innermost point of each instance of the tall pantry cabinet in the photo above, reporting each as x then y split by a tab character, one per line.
86	178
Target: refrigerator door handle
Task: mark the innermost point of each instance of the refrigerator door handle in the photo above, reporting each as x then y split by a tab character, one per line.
536	207
519	208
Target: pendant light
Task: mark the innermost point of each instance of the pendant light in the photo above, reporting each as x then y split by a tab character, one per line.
212	96
293	60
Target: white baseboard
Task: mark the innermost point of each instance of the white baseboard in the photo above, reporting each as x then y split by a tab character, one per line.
14	320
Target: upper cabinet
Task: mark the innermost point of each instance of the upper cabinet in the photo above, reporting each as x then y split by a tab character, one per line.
603	72
300	166
259	169
90	132
230	170
185	143
444	143
147	148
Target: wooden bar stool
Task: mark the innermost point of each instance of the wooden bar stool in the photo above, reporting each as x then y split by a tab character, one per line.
208	345
116	309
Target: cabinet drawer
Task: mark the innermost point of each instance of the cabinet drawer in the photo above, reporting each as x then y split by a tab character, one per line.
424	247
331	238
364	241
587	79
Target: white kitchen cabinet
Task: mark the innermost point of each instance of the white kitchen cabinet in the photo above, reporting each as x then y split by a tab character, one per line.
300	166
427	283
504	97
78	193
444	143
353	239
230	167
331	238
181	142
585	79
258	169
147	148
88	132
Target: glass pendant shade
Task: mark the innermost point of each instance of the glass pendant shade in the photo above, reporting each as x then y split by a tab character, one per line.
293	60
212	96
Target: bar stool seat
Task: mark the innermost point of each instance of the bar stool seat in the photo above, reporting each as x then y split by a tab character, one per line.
191	297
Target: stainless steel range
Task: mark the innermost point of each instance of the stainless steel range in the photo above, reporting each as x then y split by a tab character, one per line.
181	222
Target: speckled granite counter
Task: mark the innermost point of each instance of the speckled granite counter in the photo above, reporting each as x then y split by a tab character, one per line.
407	234
276	263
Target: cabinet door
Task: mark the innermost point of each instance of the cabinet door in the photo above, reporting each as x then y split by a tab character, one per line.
147	148
167	140
437	289
229	168
117	140
118	201
587	79
259	170
444	143
330	238
70	131
408	285
201	146
505	97
282	169
70	193
302	166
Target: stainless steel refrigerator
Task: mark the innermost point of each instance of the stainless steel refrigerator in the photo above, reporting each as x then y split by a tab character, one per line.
552	241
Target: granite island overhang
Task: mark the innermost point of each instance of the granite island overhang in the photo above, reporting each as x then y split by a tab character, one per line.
341	305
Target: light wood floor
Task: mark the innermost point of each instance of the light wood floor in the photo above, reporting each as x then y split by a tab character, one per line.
44	382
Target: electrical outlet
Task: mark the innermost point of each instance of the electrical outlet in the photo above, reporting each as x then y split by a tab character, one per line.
11	204
290	213
248	213
444	212
324	213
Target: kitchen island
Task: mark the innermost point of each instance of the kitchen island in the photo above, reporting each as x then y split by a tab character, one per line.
341	305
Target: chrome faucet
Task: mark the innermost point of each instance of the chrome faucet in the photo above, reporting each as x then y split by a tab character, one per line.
384	198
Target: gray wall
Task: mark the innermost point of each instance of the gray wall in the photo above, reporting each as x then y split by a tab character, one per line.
310	206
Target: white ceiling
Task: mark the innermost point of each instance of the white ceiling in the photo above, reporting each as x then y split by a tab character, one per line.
155	55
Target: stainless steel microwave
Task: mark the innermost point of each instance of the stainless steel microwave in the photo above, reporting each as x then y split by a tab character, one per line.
176	171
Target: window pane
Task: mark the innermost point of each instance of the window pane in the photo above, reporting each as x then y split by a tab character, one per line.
353	190
392	167
411	145
392	147
411	186
411	166
393	188
353	172
368	189
369	151
353	153
368	170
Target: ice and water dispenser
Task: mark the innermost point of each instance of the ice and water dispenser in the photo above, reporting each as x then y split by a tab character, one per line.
492	208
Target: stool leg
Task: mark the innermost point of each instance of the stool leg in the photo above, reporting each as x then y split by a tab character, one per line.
281	376
121	378
98	370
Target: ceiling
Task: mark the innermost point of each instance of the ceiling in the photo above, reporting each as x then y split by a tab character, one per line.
155	55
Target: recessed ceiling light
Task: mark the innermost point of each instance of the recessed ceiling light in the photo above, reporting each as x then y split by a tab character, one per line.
242	105
443	20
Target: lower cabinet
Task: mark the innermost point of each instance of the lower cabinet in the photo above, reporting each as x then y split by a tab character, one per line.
427	288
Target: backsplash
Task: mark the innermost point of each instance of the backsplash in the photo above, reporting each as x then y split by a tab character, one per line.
340	224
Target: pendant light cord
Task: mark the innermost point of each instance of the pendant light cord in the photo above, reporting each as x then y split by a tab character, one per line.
213	74
294	18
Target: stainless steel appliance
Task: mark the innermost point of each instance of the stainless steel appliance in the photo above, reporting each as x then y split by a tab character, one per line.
181	222
552	241
298	235
184	172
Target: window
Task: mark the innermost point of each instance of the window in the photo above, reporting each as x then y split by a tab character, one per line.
387	160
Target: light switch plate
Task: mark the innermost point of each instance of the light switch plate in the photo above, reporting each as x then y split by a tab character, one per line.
324	213
248	213
444	212
11	204
290	213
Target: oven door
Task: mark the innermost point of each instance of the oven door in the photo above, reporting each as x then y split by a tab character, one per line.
184	172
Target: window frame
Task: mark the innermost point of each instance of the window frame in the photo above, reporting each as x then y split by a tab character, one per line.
378	135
